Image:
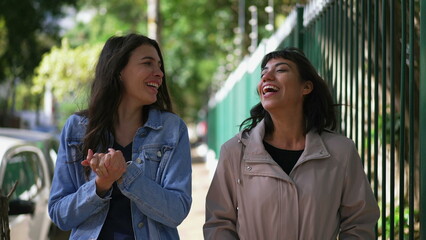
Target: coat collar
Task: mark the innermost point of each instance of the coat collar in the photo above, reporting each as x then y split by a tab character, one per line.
255	151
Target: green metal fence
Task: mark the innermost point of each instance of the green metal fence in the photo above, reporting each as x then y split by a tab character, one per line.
370	52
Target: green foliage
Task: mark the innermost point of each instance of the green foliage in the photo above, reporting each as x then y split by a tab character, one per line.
109	18
194	43
200	41
27	100
197	38
100	28
67	108
3	36
27	30
398	221
66	70
390	130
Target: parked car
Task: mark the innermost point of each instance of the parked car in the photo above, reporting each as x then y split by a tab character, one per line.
27	157
47	142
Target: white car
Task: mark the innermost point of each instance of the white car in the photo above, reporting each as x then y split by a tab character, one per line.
27	157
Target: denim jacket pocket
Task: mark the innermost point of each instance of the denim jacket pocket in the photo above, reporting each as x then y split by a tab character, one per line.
156	157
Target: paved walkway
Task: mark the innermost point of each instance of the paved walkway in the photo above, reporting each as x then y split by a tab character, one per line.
192	227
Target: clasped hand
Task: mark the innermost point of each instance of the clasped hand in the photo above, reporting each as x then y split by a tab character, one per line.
109	167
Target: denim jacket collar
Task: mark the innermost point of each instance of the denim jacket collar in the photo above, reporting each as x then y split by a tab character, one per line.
154	119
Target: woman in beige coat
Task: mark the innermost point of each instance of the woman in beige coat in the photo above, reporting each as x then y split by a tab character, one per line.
287	175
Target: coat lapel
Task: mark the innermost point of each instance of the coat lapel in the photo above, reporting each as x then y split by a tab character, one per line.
257	161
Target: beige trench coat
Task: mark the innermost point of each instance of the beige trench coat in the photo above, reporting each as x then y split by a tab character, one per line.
326	195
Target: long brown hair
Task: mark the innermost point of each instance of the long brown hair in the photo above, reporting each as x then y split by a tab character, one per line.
107	91
318	107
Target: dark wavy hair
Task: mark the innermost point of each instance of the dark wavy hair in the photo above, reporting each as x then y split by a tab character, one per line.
318	106
107	90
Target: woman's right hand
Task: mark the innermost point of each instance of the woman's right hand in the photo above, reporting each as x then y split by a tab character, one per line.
108	167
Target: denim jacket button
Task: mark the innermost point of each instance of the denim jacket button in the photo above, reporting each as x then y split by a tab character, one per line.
138	160
141	224
159	154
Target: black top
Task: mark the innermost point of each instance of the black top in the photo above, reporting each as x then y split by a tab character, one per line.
285	158
118	223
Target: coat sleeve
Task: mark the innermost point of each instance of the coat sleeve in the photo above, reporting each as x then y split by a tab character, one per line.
221	204
359	210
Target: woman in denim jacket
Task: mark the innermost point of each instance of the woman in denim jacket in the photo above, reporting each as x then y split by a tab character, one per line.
124	166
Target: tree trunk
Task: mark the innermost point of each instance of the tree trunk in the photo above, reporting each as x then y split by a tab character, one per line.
154	24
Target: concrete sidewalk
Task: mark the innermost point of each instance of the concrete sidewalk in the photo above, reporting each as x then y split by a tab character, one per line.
192	227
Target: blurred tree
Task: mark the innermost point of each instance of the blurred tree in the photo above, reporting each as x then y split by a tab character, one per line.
198	37
67	73
107	18
28	28
66	70
201	46
154	21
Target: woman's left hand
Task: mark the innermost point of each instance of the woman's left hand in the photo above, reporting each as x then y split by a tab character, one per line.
111	165
108	167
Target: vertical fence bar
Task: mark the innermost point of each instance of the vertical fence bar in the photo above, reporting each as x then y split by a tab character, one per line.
321	50
306	48
329	29
340	57
376	96
330	26
351	63
369	80
422	119
411	131
362	59
345	57
384	115
299	28
334	64
402	120
355	69
392	123
329	46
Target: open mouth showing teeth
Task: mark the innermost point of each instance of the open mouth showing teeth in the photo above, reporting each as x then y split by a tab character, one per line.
269	88
154	85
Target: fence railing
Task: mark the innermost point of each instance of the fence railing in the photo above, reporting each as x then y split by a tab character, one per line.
372	54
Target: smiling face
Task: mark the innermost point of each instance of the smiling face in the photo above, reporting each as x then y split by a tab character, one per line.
142	76
281	87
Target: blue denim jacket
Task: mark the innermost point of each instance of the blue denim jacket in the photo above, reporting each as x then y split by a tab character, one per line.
157	181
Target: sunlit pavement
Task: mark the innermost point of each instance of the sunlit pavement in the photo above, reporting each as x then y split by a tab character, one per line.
192	226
